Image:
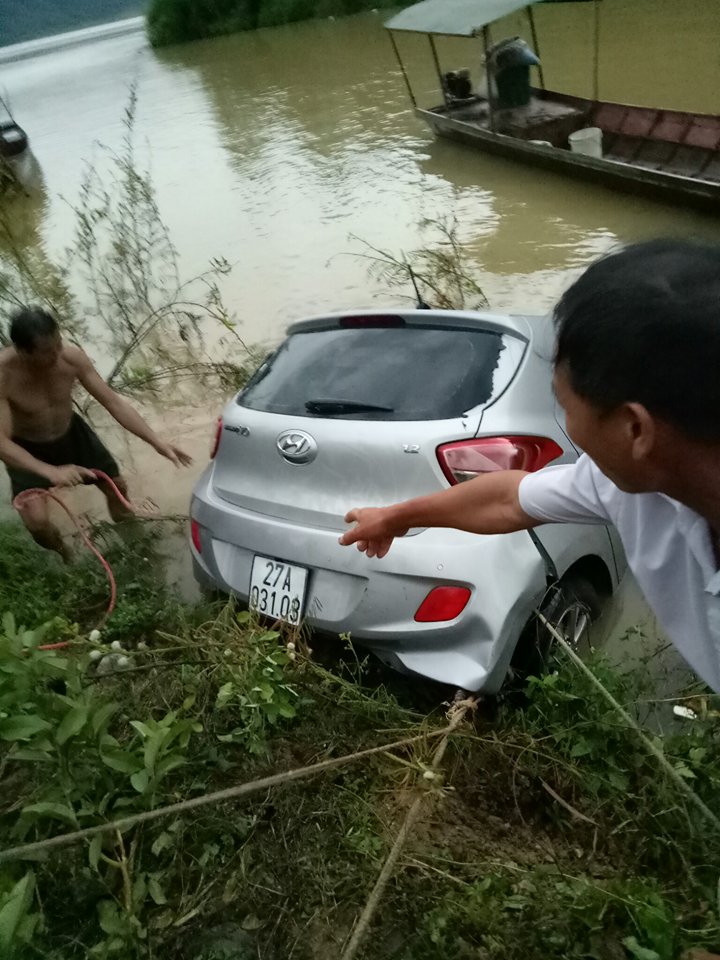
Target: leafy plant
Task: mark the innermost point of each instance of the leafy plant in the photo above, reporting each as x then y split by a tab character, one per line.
442	270
19	922
553	834
512	914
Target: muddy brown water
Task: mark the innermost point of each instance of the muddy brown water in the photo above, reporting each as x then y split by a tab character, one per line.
272	148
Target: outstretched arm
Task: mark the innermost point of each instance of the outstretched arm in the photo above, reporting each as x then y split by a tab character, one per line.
486	504
126	415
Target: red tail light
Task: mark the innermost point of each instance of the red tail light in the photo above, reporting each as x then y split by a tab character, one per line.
443	603
466	459
195	535
216	441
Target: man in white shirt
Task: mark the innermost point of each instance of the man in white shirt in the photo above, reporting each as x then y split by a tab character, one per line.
637	371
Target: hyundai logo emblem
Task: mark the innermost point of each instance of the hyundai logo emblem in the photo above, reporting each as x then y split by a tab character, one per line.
296	446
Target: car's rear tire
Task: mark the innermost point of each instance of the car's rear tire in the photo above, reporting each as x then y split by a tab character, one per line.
572	605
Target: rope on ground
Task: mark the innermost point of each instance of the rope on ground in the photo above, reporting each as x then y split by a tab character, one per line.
229	793
652	748
456	714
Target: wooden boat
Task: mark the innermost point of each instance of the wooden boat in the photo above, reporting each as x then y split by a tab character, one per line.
667	153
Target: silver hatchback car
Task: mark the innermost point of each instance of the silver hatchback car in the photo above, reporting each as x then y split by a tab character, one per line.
369	408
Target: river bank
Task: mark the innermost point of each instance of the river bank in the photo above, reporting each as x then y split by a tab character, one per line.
545	831
182	21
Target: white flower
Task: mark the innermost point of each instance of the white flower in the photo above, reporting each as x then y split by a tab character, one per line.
105	666
429	775
142	645
94	636
116	646
95	654
123	663
291	646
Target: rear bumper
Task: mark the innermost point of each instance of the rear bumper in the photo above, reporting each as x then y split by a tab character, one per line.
375	600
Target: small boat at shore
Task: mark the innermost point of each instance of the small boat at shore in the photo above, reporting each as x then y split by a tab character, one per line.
17	164
666	153
13	140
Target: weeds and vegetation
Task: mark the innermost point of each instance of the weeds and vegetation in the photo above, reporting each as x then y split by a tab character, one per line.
178	21
440	273
121	270
78	594
8	181
552	834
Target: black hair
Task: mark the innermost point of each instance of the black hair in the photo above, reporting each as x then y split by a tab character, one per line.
643	325
30	324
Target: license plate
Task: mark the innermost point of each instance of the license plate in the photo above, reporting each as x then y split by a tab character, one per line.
278	589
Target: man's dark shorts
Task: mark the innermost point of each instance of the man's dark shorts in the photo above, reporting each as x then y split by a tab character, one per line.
80	446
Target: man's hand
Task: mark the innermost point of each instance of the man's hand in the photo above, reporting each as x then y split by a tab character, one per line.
174	454
68	476
374	531
120	409
488	504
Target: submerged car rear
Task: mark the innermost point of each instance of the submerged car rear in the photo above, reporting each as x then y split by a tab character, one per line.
369	410
351	410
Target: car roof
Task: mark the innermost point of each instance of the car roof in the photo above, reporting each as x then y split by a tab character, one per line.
525	327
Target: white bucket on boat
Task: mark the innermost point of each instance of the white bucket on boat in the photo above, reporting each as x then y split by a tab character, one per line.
587	141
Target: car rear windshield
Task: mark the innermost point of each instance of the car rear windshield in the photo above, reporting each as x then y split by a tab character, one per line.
396	373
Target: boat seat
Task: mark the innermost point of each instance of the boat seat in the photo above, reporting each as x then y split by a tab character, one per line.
542	120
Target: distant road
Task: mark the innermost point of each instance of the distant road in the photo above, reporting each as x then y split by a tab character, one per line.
22	20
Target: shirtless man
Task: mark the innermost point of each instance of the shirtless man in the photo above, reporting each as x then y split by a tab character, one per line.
43	442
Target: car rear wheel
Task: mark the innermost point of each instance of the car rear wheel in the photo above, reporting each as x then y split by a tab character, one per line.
571	606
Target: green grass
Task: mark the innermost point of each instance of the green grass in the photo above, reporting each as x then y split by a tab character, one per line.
179	21
498	868
79	593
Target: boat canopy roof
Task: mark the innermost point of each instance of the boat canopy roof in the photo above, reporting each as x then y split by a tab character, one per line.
457	18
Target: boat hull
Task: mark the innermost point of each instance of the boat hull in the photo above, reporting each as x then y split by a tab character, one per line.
611	173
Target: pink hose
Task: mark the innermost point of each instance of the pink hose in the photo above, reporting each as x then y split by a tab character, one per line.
22	499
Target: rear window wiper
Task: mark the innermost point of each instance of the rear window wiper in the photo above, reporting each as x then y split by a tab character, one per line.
344	406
